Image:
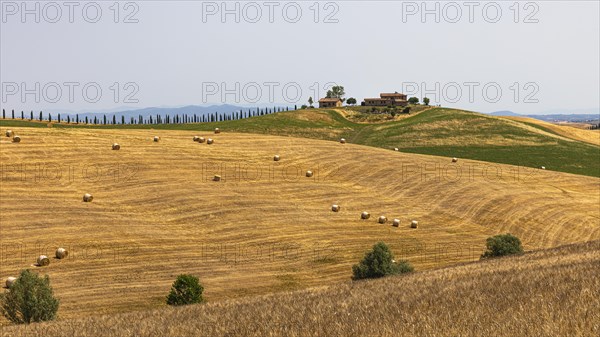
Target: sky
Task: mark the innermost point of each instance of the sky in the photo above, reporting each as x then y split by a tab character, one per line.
527	56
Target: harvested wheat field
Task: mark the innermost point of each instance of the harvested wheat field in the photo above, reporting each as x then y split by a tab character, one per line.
565	130
264	227
545	293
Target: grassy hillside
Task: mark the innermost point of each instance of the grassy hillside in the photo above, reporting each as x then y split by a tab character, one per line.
436	131
265	227
545	293
445	132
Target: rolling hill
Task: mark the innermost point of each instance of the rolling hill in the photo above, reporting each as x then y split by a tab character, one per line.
264	227
545	293
587	136
435	131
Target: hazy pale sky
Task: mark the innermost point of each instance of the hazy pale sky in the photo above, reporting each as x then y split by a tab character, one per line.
527	56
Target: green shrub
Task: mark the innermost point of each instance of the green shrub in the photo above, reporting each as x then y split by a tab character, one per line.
379	262
403	267
501	245
29	299
185	290
413	100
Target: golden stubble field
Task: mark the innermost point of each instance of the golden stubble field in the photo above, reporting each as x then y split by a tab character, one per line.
554	292
566	130
265	227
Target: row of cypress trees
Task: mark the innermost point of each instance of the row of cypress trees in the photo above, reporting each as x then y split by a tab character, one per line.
158	119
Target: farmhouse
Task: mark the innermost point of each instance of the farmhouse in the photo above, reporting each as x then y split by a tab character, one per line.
393	99
330	102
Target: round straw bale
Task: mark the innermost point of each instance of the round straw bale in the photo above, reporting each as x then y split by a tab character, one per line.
209	141
382	219
61	253
276	157
156	138
88	197
543	167
10	281
16	139
217	130
396	222
454	160
43	260
335	208
309	174
414	224
116	146
365	215
396	149
217	177
343	140
196	138
9	133
201	140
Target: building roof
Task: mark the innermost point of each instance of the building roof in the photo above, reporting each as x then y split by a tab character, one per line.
328	100
395	94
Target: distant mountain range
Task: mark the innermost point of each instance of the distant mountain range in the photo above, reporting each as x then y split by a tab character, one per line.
565	116
505	113
556	115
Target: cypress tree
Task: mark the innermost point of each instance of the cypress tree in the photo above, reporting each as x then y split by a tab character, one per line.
77	119
41	116
13	114
31	116
59	118
22	115
122	119
3	114
68	119
114	119
86	120
49	117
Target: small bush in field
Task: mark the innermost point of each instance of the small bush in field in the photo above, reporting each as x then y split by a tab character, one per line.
379	262
185	290
29	299
502	245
